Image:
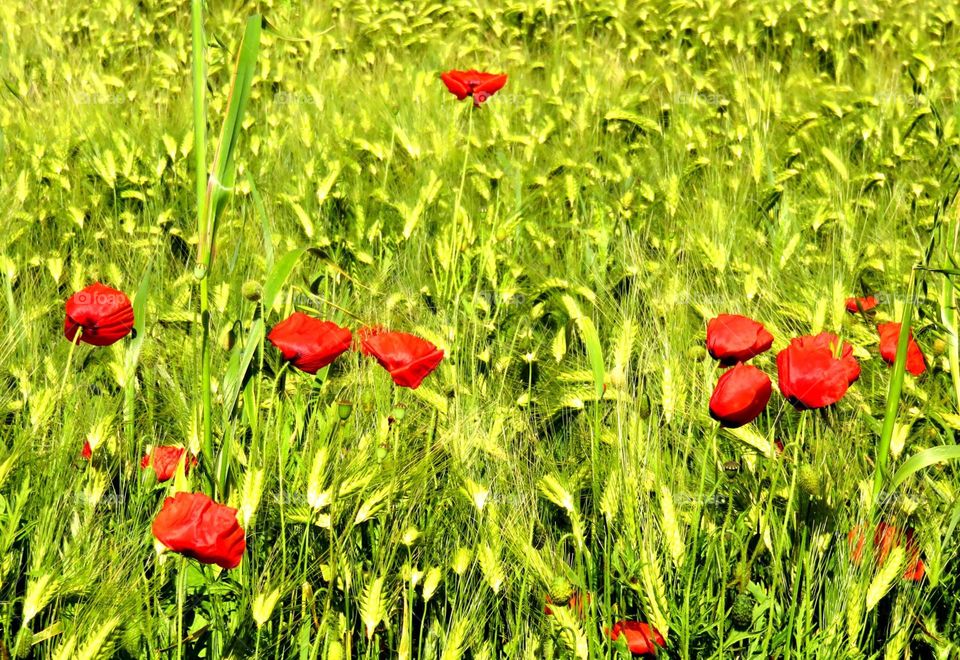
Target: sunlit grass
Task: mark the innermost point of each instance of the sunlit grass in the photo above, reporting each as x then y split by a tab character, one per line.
646	167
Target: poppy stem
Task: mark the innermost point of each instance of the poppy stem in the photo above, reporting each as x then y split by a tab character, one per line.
948	312
203	247
73	347
454	228
181	598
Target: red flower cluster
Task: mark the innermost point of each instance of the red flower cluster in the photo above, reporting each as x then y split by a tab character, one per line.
472	83
812	371
311	344
197	527
890	336
885	538
742	393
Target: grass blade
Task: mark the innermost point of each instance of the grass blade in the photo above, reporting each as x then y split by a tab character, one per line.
224	163
893	395
924	459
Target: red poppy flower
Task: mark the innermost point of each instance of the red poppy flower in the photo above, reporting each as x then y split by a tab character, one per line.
104	315
309	344
866	304
740	396
885	538
408	358
480	86
810	376
164	461
197	527
889	336
87	452
642	639
732	338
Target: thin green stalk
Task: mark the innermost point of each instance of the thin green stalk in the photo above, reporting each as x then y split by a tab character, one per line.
893	395
66	373
129	407
695	542
200	165
949	318
948	312
181	598
454	225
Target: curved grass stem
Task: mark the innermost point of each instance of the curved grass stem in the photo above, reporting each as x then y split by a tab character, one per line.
893	395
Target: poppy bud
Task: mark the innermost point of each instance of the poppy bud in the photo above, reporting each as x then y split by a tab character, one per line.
22	647
741	614
643	405
344	408
228	337
808	480
561	589
251	290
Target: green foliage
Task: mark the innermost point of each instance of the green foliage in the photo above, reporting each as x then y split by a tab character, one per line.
648	165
